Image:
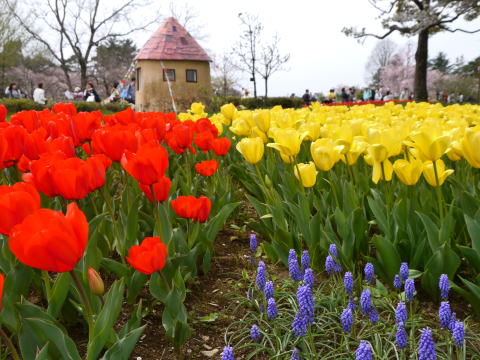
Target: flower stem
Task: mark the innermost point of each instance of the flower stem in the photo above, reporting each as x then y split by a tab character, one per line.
9	344
439	192
86	302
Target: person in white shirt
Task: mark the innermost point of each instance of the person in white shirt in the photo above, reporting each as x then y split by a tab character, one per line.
39	95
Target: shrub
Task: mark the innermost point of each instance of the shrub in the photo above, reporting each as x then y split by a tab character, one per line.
16	105
254	103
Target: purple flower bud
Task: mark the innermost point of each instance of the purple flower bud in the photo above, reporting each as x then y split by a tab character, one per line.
397	282
330	265
453	320
409	289
251	260
304	316
444	314
373	314
305	260
404	271
347	320
293	268
444	286
332	250
401	337
401	313
261	275
253	243
228	353
269	289
365	301
295	355
348	283
351	304
426	347
255	333
364	351
369	272
308	278
458	334
272	311
250	294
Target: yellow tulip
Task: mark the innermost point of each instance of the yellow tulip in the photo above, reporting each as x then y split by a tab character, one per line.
287	142
429	172
229	111
306	173
430	146
197	108
252	149
408	172
311	130
325	153
262	120
382	167
240	127
357	147
256	132
470	146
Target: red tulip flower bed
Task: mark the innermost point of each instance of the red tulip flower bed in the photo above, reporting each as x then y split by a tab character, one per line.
137	198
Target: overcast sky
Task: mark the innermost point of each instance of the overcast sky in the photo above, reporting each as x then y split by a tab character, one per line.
310	30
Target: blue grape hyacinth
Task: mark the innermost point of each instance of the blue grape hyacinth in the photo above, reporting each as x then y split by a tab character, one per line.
445	315
272	311
404	271
397	282
351	304
373	314
458	334
255	333
261	275
426	347
295	355
348	283
369	272
308	278
293	268
401	337
347	320
269	290
331	266
332	250
364	351
304	316
401	313
444	286
305	260
453	320
253	243
228	353
365	301
409	289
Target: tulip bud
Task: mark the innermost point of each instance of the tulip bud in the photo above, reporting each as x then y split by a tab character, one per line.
95	282
268	182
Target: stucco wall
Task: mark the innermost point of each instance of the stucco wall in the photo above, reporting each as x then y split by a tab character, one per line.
153	94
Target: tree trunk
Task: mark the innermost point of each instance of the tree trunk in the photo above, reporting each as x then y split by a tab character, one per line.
67	77
254	84
421	63
83	74
266	87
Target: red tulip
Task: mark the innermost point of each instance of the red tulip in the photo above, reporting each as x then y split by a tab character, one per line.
67	108
221	146
49	240
14	144
204	124
84	124
98	165
42	173
149	256
190	207
204	140
148	165
27	119
3	117
180	137
160	190
207	167
16	203
113	141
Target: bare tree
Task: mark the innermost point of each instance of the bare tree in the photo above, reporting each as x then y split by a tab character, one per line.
271	61
72	29
224	80
420	18
189	17
246	49
379	58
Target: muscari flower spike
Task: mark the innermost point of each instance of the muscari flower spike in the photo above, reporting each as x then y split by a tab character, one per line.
401	336
401	313
426	347
373	314
295	355
332	250
351	304
293	268
397	282
228	353
305	260
304	315
365	301
444	286
253	243
261	275
347	320
255	333
404	271
269	289
364	351
409	289
445	314
348	283
272	311
453	320
369	272
308	278
458	334
330	265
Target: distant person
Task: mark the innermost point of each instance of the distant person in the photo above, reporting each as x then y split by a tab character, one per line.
114	93
378	95
367	93
344	96
39	95
331	96
12	92
351	95
68	95
292	96
373	94
460	98
131	88
90	94
404	94
307	99
388	96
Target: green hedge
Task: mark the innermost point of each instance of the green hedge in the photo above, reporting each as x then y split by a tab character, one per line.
252	103
16	105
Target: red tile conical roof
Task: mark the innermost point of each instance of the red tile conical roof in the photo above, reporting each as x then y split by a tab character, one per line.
172	42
